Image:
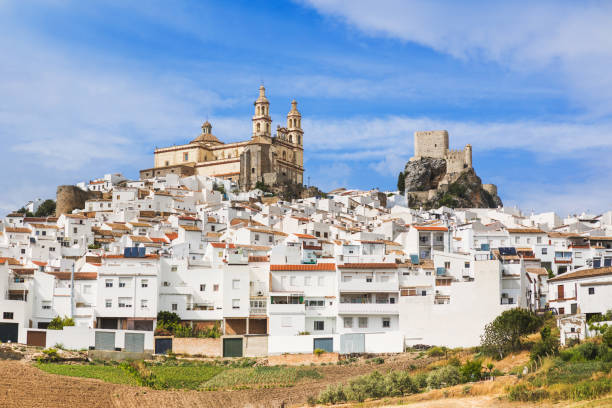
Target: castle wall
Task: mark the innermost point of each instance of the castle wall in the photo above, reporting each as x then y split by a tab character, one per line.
431	143
455	161
69	198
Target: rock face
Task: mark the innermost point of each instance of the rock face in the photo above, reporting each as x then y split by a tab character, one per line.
429	185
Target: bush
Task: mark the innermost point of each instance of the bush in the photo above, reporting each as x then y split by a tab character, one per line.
58	323
503	335
367	386
332	395
49	356
444	377
607	337
523	393
547	346
471	371
317	352
420	380
436	351
400	383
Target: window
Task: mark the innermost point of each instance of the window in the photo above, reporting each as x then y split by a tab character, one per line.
466	265
144	303
578	254
423	293
347	278
108	303
516	240
368	279
591	291
215	288
122	283
52	249
23	250
386	322
539	240
348	322
307	280
363	322
544	251
235	303
236	284
125	302
185	156
447	264
561	310
7	315
173	268
144	283
202	287
286	322
319	325
270	238
174	306
109	283
46	305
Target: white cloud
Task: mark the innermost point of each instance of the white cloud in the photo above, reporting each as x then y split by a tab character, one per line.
573	37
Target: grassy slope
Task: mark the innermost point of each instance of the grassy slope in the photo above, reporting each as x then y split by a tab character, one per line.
112	374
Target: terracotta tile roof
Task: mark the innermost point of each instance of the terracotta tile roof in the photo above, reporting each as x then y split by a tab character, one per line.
584	273
305	236
118	226
13	215
304	267
186	218
221	245
368	266
172	235
190	228
525	231
139	224
259	258
44	226
212	219
600	238
20	230
254	247
267	231
305	219
237	221
78	216
429	228
112	256
136	238
77	275
38	263
160	240
537	271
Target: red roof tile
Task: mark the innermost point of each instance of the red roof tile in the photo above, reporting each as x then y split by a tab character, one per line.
304	267
368	266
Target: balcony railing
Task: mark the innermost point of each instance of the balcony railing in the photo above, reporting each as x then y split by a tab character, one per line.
287	308
368	308
361	285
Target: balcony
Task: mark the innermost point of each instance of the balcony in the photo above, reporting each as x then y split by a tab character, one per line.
200	306
364	286
287	308
368	308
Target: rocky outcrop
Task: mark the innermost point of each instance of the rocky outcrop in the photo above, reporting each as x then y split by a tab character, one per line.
424	174
71	197
428	185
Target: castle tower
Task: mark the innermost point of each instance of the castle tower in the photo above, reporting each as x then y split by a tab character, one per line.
431	143
468	155
294	125
262	122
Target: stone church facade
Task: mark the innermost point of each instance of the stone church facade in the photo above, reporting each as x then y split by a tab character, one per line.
272	159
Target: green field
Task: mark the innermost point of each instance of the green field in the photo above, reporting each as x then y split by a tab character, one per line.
185	375
112	374
259	377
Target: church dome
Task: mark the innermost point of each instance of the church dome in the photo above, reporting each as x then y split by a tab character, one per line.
206	136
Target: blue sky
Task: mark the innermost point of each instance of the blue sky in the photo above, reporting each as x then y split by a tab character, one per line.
89	88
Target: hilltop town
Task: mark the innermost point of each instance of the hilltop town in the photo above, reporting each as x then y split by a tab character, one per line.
352	271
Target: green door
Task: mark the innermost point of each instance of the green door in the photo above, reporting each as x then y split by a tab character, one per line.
232	347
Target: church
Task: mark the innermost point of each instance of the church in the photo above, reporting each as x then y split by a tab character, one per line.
273	160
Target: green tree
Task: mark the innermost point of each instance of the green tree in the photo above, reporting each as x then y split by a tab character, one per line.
503	335
166	318
401	182
46	209
58	323
23	210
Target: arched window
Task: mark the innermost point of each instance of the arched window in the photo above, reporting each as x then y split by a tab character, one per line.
258	127
268	127
299	139
290	139
284	155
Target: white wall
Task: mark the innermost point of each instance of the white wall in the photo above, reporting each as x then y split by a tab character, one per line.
297	344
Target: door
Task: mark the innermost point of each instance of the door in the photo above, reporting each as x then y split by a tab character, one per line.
163	345
326	344
560	292
105	341
232	347
134	342
352	343
9	332
37	338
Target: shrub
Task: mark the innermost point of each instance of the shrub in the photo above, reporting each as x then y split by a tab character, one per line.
420	380
471	371
400	383
503	335
523	393
332	395
49	355
607	337
367	386
317	352
436	351
547	346
58	323
444	377
376	360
